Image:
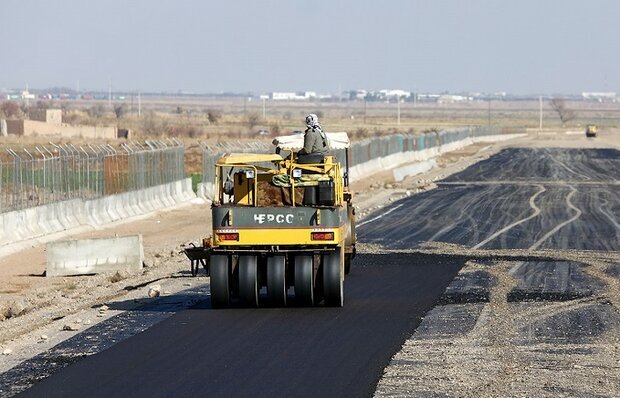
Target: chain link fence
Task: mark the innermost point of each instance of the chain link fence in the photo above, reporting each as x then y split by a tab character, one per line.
51	173
211	153
361	151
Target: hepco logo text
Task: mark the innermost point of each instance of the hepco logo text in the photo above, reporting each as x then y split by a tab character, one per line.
277	218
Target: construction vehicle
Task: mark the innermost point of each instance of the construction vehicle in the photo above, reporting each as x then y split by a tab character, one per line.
280	224
591	130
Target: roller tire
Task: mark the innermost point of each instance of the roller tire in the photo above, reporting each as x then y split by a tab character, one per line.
276	280
220	289
333	287
304	280
248	280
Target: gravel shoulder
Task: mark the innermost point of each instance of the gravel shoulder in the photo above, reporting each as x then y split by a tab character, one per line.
497	333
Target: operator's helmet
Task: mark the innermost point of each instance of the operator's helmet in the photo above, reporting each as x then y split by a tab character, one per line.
312	120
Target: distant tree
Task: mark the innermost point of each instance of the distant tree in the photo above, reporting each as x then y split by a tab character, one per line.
9	109
565	114
153	125
275	128
214	116
71	116
96	111
44	104
120	110
24	108
179	110
319	114
252	120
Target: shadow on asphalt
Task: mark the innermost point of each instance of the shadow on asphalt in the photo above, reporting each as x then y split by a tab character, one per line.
199	299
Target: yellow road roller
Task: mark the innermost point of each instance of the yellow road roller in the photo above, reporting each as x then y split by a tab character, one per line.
591	130
283	232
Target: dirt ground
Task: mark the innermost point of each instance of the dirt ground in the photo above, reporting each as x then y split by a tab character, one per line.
34	309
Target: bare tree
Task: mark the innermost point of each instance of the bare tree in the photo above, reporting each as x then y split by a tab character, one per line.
214	116
119	110
153	125
96	111
319	114
275	128
9	109
565	114
252	120
44	105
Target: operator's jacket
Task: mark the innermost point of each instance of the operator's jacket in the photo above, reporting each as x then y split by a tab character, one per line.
315	142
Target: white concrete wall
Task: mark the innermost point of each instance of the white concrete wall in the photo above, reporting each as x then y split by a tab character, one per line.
93	256
402	172
20	225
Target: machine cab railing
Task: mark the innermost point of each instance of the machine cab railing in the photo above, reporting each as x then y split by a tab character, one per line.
245	179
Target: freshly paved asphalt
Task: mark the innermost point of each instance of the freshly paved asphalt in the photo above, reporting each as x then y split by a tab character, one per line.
521	198
300	352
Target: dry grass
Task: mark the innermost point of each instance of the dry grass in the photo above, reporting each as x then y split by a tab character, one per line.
195	119
213	120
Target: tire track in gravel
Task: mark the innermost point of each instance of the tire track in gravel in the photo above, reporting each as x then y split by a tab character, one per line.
569	204
536	212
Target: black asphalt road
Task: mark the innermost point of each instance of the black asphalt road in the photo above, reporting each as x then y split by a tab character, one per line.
296	352
521	198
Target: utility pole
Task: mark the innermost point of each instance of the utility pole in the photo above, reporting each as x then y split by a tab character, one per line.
264	98
540	116
27	96
110	93
139	104
489	116
398	110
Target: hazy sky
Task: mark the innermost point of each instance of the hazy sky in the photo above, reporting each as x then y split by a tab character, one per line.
524	46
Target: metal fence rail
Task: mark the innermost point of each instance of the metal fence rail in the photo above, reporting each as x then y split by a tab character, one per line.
361	151
56	172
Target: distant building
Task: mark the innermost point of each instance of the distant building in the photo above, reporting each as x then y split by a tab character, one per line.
390	94
428	97
599	96
450	99
48	122
292	96
51	116
358	94
27	96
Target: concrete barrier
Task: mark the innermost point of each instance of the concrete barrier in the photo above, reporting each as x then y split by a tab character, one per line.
403	172
34	222
206	190
93	256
